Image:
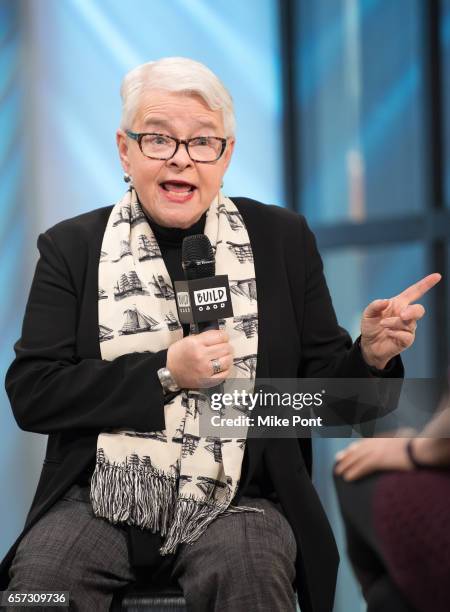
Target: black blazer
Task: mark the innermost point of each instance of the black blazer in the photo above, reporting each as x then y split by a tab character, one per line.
59	385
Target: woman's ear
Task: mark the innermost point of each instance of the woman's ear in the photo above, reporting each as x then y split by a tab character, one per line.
122	146
229	152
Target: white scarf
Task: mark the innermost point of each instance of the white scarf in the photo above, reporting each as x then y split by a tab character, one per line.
171	481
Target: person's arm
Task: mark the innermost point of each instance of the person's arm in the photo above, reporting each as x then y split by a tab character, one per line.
431	447
431	452
51	388
428	449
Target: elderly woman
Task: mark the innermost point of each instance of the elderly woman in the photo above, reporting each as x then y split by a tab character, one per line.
105	368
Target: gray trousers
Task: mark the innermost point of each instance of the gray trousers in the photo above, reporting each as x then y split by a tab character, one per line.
244	561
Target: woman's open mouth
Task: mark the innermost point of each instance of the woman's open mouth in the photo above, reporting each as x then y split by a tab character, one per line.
177	191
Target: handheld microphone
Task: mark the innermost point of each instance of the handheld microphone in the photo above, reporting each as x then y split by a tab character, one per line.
198	261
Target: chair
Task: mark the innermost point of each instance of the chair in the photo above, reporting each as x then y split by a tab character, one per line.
140	597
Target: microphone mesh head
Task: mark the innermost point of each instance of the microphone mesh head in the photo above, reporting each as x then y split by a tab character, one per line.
198	257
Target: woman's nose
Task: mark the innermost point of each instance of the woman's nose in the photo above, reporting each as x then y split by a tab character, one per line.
181	157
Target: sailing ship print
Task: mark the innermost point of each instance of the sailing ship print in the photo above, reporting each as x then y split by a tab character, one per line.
179	432
153	435
243	252
162	288
125	249
133	460
139	463
209	485
123	215
102	295
103	256
234	217
246	364
137	214
196	400
215	447
105	333
128	284
172	322
148	248
200	403
190	443
100	456
244	288
136	322
248	324
146	462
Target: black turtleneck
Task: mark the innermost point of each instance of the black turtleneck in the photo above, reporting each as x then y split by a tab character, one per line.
170	240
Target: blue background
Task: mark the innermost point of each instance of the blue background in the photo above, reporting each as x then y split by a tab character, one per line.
360	104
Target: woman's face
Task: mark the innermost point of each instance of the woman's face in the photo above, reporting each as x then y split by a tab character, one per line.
180	116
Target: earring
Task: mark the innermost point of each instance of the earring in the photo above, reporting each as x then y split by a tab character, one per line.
128	179
221	185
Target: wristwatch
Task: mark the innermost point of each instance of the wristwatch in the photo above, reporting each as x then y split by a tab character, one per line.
167	381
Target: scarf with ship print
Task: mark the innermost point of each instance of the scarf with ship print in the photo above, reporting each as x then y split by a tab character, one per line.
171	481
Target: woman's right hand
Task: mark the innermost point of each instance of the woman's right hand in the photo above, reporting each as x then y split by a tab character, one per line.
189	359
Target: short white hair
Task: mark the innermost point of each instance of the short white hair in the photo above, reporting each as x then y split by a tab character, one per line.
176	74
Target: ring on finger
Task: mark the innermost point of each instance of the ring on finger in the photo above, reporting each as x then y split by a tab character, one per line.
216	366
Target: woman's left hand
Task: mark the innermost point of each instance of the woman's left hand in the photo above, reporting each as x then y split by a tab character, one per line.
372	454
388	327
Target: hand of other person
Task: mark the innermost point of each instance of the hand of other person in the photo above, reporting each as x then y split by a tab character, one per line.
431	448
388	326
190	359
363	457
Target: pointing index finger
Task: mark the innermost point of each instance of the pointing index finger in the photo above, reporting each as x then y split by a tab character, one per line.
414	292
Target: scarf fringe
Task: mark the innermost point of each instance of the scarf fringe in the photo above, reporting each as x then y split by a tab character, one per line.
192	518
143	496
147	497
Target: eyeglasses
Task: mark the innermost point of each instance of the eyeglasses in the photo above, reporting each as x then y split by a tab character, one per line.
202	149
